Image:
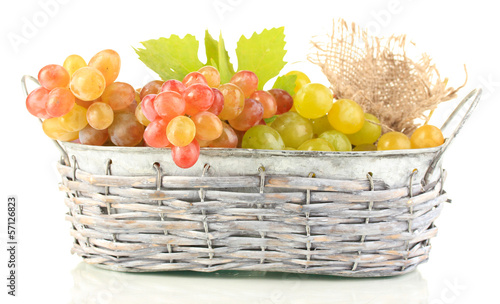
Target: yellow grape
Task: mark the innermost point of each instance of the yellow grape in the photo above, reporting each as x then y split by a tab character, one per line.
211	75
75	120
100	115
321	125
87	84
426	136
53	129
346	116
369	133
234	101
316	144
338	140
73	62
108	63
301	80
181	131
140	116
208	126
393	141
313	100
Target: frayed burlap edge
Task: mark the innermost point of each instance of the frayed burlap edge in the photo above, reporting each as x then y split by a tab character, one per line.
380	75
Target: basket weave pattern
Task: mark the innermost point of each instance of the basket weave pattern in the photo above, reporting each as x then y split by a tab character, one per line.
260	222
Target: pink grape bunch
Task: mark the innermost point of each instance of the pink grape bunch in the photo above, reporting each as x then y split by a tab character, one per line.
84	103
199	111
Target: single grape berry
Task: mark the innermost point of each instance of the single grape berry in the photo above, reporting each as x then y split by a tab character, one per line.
393	141
346	116
426	136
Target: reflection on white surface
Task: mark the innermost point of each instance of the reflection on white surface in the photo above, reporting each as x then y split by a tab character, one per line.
99	286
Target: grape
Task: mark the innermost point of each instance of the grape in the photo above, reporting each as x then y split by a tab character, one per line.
203	143
87	83
108	63
268	102
218	104
53	76
369	133
119	95
91	136
100	115
74	120
193	78
313	100
155	134
152	87
60	102
240	135
185	157
73	63
346	116
365	147
284	100
140	116
148	107
36	102
321	125
173	85
208	126
426	136
169	105
181	130
262	137
293	128
393	141
125	130
234	101
211	75
228	138
316	144
249	117
53	129
337	140
247	81
301	80
86	104
198	97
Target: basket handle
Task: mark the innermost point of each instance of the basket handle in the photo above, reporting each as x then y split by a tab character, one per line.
24	85
457	118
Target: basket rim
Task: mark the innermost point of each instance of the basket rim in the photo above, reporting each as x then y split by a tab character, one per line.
253	152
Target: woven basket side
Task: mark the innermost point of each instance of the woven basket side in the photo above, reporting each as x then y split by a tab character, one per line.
259	222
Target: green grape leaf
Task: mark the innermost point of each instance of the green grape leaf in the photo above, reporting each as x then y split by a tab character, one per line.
171	58
218	57
262	54
287	83
226	69
211	49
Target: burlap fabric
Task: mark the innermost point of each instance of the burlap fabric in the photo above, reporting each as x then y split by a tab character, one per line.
388	77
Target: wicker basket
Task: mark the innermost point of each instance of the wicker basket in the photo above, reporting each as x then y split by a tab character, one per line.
357	214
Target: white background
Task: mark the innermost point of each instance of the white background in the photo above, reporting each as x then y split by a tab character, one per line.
463	262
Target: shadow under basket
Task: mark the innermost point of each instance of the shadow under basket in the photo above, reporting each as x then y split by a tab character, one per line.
354	214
